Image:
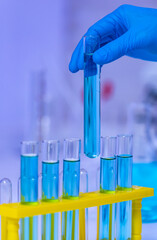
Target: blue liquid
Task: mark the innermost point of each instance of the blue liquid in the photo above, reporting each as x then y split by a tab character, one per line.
124	209
29	194
91	107
50	188
108	174
71	182
145	174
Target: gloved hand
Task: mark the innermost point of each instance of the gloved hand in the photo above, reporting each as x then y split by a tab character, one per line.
129	30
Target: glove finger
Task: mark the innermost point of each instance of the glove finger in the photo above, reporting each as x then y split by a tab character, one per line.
111	25
114	50
73	65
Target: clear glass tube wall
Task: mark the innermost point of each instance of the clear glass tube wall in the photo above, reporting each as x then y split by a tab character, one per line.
71	185
50	186
5	191
91	98
108	176
84	213
124	209
29	187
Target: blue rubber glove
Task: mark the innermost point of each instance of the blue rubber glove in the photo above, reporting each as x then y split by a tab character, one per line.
129	30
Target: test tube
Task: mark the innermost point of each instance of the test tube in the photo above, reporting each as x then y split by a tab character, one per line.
5	191
71	184
91	98
108	176
5	198
124	209
29	187
50	187
83	213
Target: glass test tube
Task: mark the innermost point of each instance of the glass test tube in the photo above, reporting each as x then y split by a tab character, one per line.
5	198
83	213
50	187
29	187
108	176
124	209
71	182
91	98
5	191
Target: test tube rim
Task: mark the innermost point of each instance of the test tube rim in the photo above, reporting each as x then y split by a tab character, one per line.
72	139
128	137
111	140
30	142
98	37
108	137
124	135
51	141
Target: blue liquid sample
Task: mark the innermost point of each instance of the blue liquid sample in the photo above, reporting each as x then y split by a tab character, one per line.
145	174
91	107
50	188
124	209
29	194
71	182
108	176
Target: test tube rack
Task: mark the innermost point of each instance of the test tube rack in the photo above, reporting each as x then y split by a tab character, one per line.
11	213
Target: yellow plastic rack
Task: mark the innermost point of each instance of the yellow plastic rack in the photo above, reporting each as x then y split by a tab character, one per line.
13	212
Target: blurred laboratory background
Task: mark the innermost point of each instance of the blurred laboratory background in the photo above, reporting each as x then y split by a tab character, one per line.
41	99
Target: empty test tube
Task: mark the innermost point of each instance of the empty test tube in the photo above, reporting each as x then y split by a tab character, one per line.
29	187
71	185
5	197
50	187
91	98
5	191
124	209
108	176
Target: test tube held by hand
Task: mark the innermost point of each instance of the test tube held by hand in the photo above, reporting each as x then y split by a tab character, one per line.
91	98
